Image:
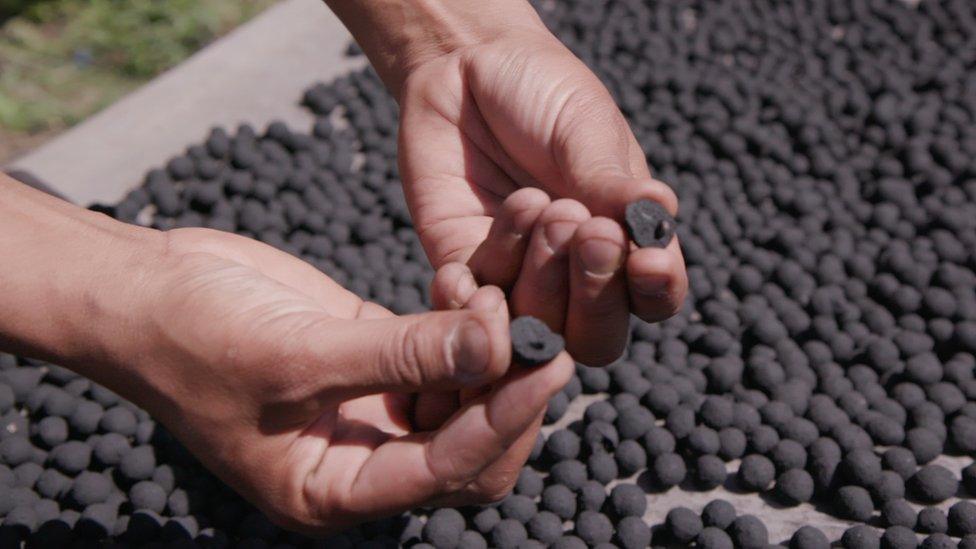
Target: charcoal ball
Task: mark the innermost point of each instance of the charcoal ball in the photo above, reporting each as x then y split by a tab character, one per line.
560	500
444	528
472	540
669	470
52	431
633	533
732	443
518	507
118	420
633	422
809	537
71	458
702	441
138	464
889	486
962	518
569	542
533	343
709	472
762	439
924	444
718	513
748	532
90	488
601	467
599	435
53	484
898	512
861	537
658	441
861	467
110	448
15	450
486	519
680	421
932	520
938	541
591	496
717	412
756	472
854	503
148	495
628	500
683	524
795	486
714	538
933	484
900	460
545	527
570	473
649	224
898	537
563	444
789	454
529	483
593	527
631	457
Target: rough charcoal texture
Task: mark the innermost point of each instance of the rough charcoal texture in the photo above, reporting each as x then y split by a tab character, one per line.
533	343
649	224
822	153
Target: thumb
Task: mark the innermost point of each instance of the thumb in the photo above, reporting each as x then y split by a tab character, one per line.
443	350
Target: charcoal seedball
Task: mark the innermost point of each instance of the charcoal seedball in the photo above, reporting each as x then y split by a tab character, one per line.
593	527
924	443
968	542
938	541
889	486
602	467
861	537
789	454
529	483
713	538
444	527
563	444
518	507
569	542
756	472
533	343
118	420
898	512
545	527
148	495
669	470
138	464
795	486
560	500
718	513
809	537
472	540
933	484
591	496
854	503
932	520
633	533
900	460
898	537
628	500
486	519
52	431
658	441
709	472
861	467
71	458
683	524
748	532
631	457
90	488
962	518
570	473
649	224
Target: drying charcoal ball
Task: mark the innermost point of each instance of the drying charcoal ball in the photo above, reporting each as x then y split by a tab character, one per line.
52	431
533	343
683	524
594	380
90	488
53	484
570	473
600	410
702	441
713	538
633	422
795	486
545	527
661	399
486	519
900	460
788	454
628	500
471	540
962	518
563	444
717	412
556	407
569	542
709	472
748	532
507	534
861	537
924	443
762	439
601	467
444	527
71	458
529	483
933	484
86	417
658	441
591	496
756	473
680	421
889	486
593	527
119	420
969	478
110	448
633	533
518	507
968	542
898	537
600	435
718	513
138	464
898	512
854	503
649	224
809	537
932	520
732	443
631	457
26	474
148	495
861	467
963	433
669	470
560	500
15	450
938	541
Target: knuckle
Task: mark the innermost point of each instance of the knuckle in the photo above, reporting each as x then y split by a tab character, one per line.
404	355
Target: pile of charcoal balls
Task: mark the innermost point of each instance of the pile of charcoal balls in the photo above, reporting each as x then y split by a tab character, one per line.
824	153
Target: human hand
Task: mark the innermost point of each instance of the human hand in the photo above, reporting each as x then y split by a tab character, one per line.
299	395
488	133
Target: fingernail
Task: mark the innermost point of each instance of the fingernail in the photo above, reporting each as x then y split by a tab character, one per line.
600	257
466	287
471	351
558	234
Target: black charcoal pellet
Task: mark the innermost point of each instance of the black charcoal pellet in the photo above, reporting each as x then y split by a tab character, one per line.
683	524
933	484
756	472
593	527
854	503
533	343
628	500
962	518
809	537
932	520
898	537
591	496
545	527
898	512
649	224
714	538
795	486
444	528
748	532
718	513
632	533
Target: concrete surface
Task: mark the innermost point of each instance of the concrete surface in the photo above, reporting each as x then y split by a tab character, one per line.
255	74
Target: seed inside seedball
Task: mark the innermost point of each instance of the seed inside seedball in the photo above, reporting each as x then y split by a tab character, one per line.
533	343
649	224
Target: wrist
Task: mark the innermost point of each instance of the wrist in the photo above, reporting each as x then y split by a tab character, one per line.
400	35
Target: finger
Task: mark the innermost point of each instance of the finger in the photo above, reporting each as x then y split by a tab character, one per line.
598	317
441	350
432	465
432	409
657	281
487	298
498	259
542	288
452	287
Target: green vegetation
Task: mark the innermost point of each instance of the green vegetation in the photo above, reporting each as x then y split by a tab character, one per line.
61	60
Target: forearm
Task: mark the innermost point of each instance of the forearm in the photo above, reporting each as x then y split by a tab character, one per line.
398	35
69	279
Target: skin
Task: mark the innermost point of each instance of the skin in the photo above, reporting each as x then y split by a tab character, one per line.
517	166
